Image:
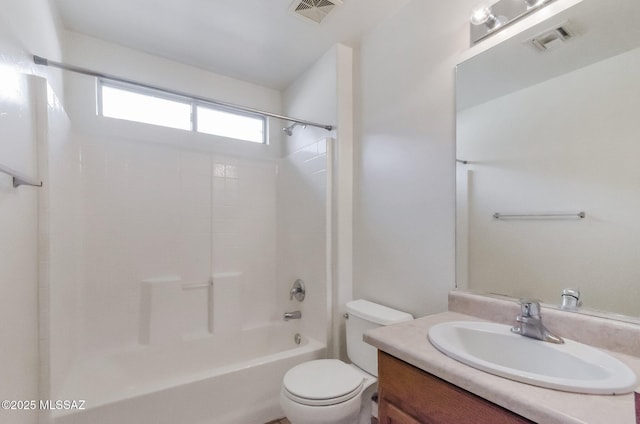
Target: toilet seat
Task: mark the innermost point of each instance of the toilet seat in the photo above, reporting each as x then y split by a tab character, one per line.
322	382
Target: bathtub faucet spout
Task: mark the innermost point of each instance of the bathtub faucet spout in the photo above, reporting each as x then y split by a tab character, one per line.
292	315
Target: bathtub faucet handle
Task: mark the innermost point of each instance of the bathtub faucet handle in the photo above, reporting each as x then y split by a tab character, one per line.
298	291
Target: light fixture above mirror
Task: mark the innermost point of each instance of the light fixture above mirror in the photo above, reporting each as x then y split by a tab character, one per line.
534	3
490	16
483	14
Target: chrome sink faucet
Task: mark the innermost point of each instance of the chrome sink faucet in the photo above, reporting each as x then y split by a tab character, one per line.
530	323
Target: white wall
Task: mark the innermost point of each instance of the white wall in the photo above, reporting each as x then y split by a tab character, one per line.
302	236
60	245
26	27
324	94
404	172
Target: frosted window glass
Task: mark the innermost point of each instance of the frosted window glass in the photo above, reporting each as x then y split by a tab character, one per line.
123	104
225	124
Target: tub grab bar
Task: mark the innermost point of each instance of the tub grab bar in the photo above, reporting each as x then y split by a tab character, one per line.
18	178
193	286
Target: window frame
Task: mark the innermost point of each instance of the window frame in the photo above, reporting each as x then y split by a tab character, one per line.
193	102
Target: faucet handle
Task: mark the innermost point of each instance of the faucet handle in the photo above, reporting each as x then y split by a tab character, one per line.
529	308
571	299
298	291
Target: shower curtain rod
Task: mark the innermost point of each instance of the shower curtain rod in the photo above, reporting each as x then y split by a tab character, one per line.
46	62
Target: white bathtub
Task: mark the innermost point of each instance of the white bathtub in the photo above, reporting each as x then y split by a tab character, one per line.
221	379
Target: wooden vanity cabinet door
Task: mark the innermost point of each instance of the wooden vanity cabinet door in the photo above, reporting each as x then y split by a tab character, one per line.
408	395
394	415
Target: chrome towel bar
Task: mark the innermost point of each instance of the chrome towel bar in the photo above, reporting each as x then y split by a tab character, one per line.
577	215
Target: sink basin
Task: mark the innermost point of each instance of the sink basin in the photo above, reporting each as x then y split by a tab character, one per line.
571	367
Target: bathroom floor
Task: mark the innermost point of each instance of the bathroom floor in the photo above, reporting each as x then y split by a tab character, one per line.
286	421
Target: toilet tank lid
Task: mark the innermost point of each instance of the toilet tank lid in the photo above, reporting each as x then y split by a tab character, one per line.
376	313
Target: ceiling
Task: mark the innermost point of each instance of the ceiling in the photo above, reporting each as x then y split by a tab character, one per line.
253	40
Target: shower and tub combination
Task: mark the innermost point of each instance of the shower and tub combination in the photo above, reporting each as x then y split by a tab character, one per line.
189	262
229	378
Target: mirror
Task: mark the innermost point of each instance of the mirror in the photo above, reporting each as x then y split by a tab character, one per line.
547	135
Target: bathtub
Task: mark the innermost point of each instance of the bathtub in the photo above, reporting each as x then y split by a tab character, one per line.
221	379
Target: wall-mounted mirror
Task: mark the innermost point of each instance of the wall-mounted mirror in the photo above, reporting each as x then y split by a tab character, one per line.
549	133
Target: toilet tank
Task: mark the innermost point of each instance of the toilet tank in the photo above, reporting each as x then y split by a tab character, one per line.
363	316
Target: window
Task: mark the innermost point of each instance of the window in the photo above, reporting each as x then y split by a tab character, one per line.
229	124
149	106
120	103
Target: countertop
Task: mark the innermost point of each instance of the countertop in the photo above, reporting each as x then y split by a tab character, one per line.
408	341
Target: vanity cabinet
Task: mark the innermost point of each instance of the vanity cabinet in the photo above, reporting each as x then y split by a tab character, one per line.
408	395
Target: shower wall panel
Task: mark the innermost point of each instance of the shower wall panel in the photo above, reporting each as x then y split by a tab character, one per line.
302	232
153	211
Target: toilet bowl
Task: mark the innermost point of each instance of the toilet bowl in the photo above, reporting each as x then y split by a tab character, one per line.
329	391
325	391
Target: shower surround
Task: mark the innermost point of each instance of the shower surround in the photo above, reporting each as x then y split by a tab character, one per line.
154	213
188	258
136	221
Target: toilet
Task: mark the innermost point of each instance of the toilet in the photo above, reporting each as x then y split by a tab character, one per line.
329	391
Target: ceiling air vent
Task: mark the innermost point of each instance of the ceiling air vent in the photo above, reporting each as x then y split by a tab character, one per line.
313	10
552	38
